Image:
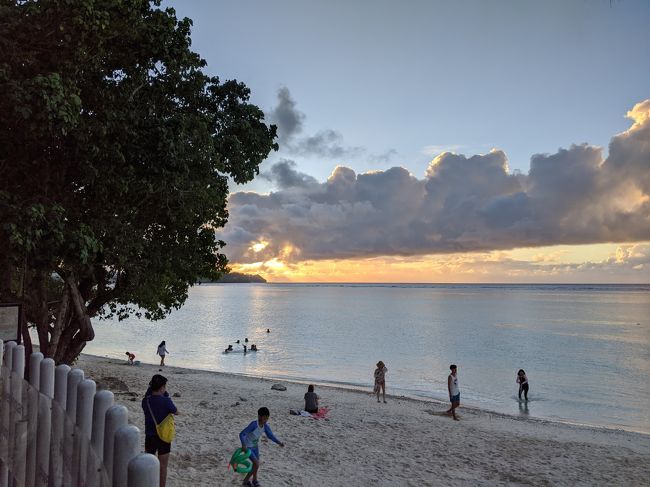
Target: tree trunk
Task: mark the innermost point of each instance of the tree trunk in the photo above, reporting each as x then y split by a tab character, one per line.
73	328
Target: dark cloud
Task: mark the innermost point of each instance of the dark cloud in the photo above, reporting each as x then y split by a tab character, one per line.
574	196
284	174
285	115
289	120
326	143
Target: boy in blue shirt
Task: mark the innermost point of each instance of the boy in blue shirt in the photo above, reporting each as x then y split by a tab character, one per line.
250	436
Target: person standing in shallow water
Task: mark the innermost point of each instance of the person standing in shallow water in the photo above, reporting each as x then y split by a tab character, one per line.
380	380
522	380
454	391
162	351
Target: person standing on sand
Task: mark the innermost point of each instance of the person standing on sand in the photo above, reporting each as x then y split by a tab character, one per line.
162	351
454	391
156	405
380	380
250	437
522	380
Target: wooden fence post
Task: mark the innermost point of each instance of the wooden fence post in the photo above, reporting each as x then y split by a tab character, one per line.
35	360
44	429
102	402
116	417
85	399
144	471
75	376
126	446
6	411
58	424
18	429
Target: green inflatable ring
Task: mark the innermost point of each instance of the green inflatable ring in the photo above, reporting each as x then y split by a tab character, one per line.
240	461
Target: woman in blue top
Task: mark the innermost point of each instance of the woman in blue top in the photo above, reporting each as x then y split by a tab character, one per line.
250	436
156	400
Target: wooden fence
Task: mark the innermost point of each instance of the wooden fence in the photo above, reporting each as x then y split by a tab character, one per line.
57	430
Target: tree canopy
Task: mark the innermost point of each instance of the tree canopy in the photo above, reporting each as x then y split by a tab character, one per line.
115	154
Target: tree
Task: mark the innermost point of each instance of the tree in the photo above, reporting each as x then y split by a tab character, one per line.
115	153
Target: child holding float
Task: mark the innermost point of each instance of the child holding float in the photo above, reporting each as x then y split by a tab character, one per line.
250	436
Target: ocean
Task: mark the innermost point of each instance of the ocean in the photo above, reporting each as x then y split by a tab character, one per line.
585	348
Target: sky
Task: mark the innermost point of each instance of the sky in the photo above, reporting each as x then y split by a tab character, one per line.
440	141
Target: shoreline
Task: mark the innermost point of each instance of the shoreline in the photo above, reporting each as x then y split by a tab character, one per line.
404	442
356	388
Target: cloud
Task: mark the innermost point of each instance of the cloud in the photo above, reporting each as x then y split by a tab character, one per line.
285	115
433	150
325	143
284	174
384	156
462	204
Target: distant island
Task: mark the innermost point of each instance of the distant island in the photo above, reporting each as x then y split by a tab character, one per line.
236	277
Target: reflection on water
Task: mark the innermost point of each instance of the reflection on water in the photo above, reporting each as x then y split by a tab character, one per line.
586	349
523	408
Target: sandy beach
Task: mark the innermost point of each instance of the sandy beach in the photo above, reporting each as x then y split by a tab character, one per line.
404	442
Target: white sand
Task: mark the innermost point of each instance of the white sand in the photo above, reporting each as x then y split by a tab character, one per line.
404	442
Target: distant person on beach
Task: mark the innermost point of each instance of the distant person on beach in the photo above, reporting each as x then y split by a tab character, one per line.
229	349
311	400
244	349
454	391
162	351
130	357
250	436
245	340
522	380
156	405
253	348
268	330
380	380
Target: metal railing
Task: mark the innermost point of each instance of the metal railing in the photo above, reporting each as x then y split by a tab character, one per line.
58	430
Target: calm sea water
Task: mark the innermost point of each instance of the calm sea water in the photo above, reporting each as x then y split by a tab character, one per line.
586	349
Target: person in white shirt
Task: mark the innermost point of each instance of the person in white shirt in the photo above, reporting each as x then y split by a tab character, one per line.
162	351
454	391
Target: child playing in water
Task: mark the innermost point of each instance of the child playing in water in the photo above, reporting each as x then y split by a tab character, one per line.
522	380
249	438
131	357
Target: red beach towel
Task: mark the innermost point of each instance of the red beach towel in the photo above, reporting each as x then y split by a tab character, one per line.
321	414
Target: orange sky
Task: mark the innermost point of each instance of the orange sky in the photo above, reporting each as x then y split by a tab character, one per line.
624	263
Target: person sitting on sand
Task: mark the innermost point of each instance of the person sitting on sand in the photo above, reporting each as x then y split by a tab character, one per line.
454	391
522	380
311	400
229	349
268	330
250	436
380	380
253	348
130	357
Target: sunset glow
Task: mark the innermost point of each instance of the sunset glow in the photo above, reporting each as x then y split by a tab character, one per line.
557	264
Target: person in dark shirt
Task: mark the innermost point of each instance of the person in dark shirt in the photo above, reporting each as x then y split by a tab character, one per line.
157	401
311	400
